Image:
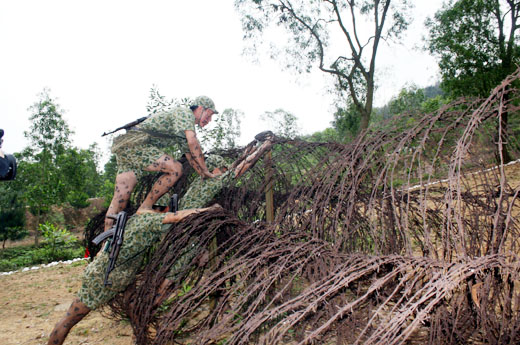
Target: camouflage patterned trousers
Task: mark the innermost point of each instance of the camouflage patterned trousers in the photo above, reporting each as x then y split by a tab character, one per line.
142	231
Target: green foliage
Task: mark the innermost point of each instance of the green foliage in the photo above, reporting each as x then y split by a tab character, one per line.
476	44
412	102
77	199
59	244
55	236
223	131
107	192
12	214
79	172
408	101
282	123
108	178
10	232
39	175
347	122
327	135
25	256
50	170
433	104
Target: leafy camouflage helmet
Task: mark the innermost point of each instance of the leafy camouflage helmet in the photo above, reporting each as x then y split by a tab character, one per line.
215	161
206	102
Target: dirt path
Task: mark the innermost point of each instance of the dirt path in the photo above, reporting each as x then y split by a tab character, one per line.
32	302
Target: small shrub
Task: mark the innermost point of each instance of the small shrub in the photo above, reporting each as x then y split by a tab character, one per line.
78	199
25	256
55	238
56	217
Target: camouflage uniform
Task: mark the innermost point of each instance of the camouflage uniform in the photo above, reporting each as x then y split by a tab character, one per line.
141	232
202	191
137	149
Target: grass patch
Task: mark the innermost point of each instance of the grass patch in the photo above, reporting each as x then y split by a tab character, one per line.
25	256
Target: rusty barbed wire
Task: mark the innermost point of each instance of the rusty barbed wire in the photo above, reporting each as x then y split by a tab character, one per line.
408	235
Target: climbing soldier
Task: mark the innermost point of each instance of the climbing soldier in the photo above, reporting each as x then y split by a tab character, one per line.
142	148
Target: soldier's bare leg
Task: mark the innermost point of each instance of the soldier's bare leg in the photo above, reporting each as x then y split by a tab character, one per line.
172	172
77	311
125	184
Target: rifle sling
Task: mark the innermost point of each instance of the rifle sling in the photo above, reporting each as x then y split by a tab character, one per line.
157	134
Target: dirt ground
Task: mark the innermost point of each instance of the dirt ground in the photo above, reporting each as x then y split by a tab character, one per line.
32	302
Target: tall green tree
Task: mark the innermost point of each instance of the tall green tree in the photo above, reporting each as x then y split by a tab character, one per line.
79	172
476	42
39	174
357	28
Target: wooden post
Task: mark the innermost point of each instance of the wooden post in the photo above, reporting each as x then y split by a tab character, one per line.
269	201
213	248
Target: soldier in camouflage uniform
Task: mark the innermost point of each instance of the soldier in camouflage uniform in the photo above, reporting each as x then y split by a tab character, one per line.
143	148
142	231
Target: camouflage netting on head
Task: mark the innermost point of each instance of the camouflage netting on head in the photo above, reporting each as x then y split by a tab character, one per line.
408	235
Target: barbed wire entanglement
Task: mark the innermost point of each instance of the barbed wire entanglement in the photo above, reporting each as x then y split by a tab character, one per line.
408	235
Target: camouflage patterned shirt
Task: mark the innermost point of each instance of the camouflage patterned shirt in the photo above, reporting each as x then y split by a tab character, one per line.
172	123
136	150
202	191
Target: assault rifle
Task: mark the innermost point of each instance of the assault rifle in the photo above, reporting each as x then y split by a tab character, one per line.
115	242
128	125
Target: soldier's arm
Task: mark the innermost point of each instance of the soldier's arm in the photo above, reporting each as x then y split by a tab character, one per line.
252	158
195	156
181	214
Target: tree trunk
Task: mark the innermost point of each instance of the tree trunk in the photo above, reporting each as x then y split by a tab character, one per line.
502	145
37	230
365	120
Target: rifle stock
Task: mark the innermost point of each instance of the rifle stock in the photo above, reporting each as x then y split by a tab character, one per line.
116	234
103	236
128	125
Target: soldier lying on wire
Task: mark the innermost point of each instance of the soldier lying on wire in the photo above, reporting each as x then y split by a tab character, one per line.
142	232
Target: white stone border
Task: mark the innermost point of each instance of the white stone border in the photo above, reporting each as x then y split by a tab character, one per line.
55	263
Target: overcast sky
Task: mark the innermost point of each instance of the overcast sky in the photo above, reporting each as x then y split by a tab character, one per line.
100	59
